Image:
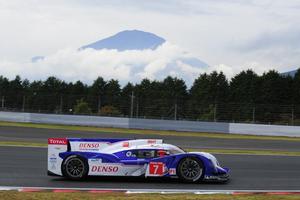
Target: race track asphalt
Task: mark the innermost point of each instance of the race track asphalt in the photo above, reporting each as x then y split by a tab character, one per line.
8	133
26	166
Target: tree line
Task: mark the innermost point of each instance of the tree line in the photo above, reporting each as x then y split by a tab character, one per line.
246	97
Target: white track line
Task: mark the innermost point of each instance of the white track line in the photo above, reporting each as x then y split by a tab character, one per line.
163	191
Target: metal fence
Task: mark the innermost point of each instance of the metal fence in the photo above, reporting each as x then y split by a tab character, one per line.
137	107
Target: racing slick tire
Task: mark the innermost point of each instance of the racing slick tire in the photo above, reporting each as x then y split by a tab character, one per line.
190	170
75	167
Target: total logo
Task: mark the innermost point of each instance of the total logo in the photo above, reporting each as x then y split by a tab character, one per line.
108	168
89	146
59	141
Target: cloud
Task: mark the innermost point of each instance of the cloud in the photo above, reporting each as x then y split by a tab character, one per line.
231	71
189	70
85	65
232	32
71	64
287	38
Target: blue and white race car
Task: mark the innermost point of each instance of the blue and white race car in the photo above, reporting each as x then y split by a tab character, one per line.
78	158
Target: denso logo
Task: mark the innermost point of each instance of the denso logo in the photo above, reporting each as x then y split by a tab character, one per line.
89	145
59	141
111	169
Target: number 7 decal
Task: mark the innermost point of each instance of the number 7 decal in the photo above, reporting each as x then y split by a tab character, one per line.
156	168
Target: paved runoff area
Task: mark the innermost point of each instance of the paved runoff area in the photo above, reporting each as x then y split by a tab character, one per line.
25	166
23	134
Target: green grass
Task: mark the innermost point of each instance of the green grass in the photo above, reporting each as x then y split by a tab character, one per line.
147	132
22	144
156	133
213	151
248	152
12	195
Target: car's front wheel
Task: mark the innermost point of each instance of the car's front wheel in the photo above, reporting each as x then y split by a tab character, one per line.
75	167
190	170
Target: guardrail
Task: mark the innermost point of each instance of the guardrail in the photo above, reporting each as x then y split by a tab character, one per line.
116	122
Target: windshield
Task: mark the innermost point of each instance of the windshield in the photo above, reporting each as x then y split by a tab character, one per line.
175	150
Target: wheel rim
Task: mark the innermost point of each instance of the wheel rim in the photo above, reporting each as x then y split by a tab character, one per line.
75	167
191	169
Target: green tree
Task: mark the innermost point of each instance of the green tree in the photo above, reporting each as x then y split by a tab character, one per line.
52	93
112	93
173	97
79	89
82	107
296	96
36	97
96	93
296	88
244	93
209	91
275	92
148	94
125	100
4	88
15	94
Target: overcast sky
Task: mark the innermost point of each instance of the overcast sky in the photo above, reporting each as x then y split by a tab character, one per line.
229	35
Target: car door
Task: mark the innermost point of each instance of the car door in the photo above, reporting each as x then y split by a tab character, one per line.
135	161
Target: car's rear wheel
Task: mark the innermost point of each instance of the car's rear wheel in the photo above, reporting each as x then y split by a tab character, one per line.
75	167
190	169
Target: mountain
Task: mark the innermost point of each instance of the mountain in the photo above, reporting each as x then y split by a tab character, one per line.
37	58
139	55
128	40
290	73
182	66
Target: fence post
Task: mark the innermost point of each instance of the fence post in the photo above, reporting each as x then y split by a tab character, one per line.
99	103
61	104
137	109
215	113
293	116
23	105
175	112
253	115
2	102
131	105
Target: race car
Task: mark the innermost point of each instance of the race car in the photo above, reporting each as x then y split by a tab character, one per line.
76	159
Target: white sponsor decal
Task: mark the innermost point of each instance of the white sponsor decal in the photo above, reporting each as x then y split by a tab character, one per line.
128	153
172	171
115	169
86	146
53	161
107	168
96	160
89	146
